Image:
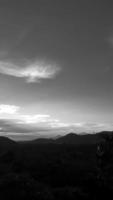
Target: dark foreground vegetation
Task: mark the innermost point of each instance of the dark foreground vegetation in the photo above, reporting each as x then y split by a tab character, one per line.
57	170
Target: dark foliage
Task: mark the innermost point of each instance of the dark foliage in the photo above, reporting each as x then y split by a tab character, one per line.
56	171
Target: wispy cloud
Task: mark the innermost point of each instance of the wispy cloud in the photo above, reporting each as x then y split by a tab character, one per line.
32	72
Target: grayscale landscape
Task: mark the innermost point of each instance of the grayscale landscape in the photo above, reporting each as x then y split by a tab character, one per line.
56	99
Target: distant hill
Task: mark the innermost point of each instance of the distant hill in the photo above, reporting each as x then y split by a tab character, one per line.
72	138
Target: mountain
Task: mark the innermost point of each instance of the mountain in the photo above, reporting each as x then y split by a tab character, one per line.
71	138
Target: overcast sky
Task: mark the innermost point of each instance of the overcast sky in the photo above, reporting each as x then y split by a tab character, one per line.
56	66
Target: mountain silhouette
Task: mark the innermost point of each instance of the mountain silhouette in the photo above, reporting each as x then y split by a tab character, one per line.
72	138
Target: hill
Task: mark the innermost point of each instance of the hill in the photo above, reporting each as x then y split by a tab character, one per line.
71	138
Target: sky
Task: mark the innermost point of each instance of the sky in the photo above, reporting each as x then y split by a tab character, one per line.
56	67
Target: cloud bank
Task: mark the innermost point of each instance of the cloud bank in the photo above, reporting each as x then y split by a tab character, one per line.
19	125
31	72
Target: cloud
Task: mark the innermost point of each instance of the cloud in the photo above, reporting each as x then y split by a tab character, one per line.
32	72
92	127
12	121
36	120
33	119
8	109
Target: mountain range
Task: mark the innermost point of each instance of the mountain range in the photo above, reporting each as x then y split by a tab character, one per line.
71	138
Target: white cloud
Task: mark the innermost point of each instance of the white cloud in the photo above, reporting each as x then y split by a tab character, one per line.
32	72
12	114
33	119
8	109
